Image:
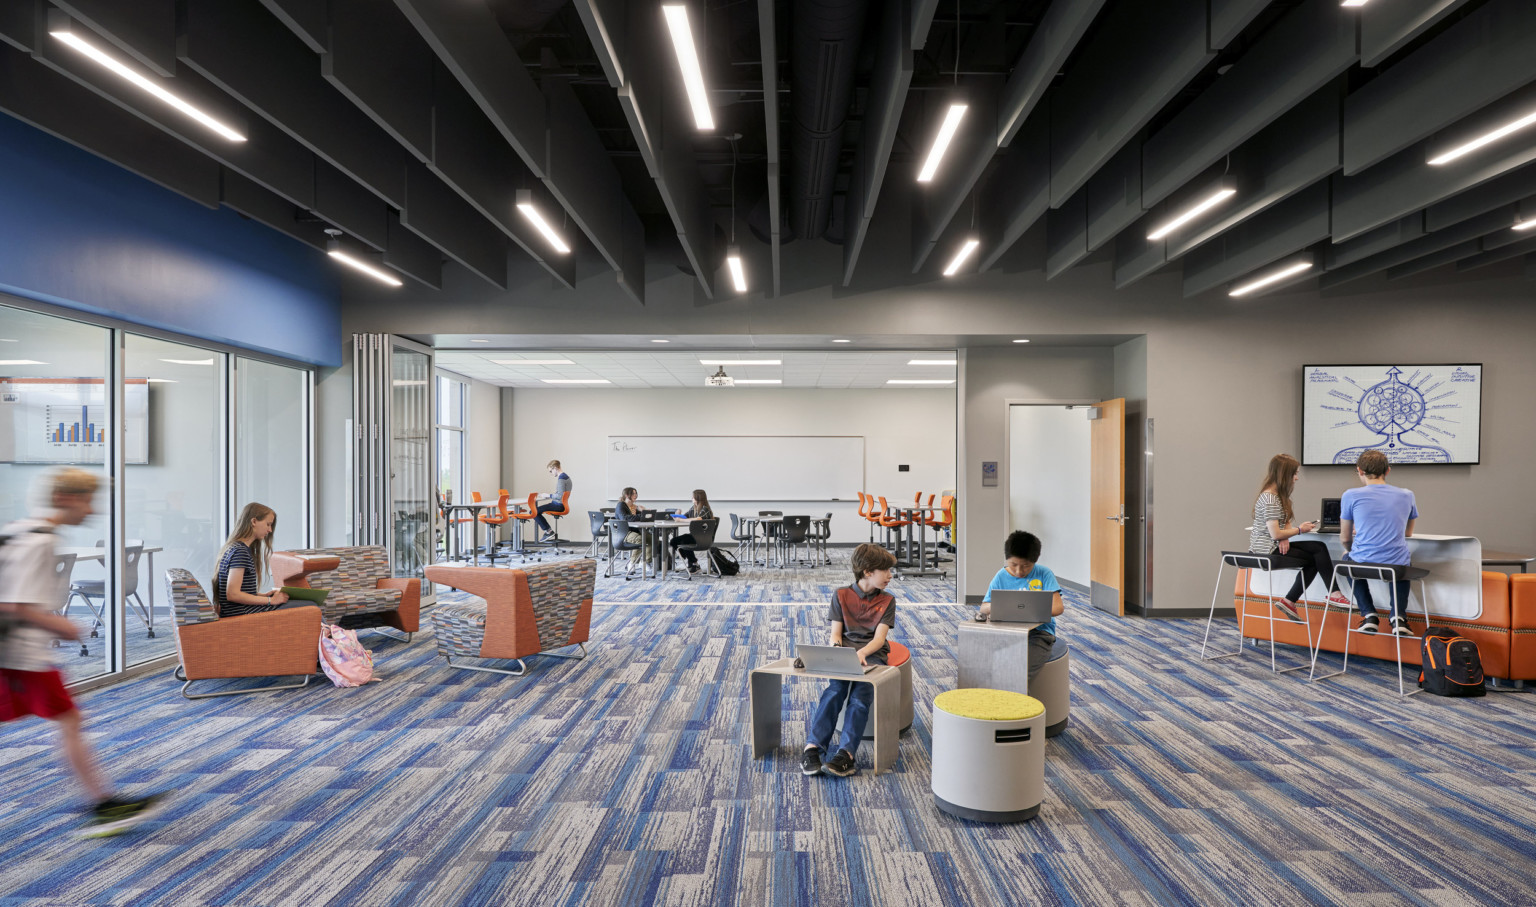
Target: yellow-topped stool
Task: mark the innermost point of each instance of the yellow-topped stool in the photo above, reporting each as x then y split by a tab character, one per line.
988	755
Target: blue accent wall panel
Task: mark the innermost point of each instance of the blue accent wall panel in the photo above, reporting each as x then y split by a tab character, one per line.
81	232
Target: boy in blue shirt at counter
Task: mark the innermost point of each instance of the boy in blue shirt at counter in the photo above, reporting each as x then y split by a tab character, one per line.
1022	570
1374	525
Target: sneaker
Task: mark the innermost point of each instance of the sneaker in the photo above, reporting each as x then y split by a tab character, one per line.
810	761
1400	626
840	765
1370	623
1288	608
1339	598
115	816
693	568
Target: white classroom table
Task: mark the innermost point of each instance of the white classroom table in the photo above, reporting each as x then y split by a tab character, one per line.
100	554
1454	585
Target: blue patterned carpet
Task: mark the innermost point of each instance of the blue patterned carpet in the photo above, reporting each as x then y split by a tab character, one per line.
628	779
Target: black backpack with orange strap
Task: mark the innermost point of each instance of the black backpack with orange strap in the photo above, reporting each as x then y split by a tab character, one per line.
1452	665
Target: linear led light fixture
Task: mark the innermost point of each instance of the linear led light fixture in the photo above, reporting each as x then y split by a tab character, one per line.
931	362
840	340
759	380
1271	278
533	362
333	248
741	362
738	273
1223	191
188	361
952	118
1526	224
21	362
531	213
96	55
688	61
1486	138
920	381
956	263
576	381
1354	2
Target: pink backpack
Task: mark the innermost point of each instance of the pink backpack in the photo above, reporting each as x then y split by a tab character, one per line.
344	659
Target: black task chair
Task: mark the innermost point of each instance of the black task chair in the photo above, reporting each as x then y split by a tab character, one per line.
703	532
797	531
599	522
742	539
618	530
821	533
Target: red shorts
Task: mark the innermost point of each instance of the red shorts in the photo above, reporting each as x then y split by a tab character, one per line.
39	693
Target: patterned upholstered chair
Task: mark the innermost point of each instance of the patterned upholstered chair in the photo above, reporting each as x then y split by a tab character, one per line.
531	611
359	584
272	644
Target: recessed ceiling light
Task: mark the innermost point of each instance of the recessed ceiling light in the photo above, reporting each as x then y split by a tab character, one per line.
533	362
741	362
21	362
1021	340
759	381
1484	139
479	341
188	361
842	341
121	70
920	381
1268	279
952	118
575	380
8	340
931	362
959	260
688	61
661	341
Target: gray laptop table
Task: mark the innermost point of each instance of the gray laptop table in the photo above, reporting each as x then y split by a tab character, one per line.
768	707
994	656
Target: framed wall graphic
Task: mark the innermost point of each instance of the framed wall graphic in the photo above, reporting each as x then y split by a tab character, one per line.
1412	413
63	421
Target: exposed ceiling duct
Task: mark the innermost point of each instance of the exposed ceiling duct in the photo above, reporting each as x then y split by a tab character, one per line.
823	52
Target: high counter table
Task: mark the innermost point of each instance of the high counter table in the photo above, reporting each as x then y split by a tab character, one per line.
1454	585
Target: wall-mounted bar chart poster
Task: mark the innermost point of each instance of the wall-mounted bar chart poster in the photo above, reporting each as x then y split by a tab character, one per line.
64	420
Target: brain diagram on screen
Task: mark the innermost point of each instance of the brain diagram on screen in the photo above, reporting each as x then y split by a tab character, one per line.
1426	414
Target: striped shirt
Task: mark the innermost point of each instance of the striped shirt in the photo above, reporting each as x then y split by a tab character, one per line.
1266	508
237	557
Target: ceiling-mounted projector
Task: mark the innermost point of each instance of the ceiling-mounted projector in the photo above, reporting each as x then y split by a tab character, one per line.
720	379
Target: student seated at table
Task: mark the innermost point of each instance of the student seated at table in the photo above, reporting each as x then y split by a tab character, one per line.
1022	570
699	511
629	508
553	500
1273	534
1374	525
861	614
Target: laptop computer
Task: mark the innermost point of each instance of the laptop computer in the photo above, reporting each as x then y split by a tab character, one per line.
651	516
1332	508
1021	606
832	660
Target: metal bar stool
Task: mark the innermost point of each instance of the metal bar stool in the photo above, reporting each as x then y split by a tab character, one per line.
1390	574
1245	560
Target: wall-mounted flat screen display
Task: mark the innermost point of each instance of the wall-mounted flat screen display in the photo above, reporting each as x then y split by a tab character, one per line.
1412	413
64	421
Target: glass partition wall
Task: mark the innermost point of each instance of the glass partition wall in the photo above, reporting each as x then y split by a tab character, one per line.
181	435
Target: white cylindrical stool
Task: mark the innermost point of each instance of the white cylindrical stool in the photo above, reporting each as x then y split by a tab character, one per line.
1052	687
988	755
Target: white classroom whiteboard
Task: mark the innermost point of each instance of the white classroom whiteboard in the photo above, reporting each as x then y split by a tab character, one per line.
738	467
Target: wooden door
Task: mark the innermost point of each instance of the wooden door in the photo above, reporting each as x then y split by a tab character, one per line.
1107	520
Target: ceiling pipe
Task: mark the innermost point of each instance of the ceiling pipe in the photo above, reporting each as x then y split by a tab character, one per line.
823	51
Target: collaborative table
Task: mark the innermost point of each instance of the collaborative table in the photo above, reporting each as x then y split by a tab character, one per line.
1507	559
767	686
660	532
100	554
994	656
1454	586
473	509
916	516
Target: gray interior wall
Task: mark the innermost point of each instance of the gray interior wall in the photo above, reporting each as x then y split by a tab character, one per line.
1222	375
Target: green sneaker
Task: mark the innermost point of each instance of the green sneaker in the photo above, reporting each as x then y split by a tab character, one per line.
115	816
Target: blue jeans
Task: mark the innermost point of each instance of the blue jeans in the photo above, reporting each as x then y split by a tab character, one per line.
539	520
1368	607
860	696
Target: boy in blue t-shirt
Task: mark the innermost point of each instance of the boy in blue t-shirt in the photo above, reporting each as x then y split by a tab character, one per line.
1021	570
1374	525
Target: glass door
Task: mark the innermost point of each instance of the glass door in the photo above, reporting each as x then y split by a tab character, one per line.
410	458
272	445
